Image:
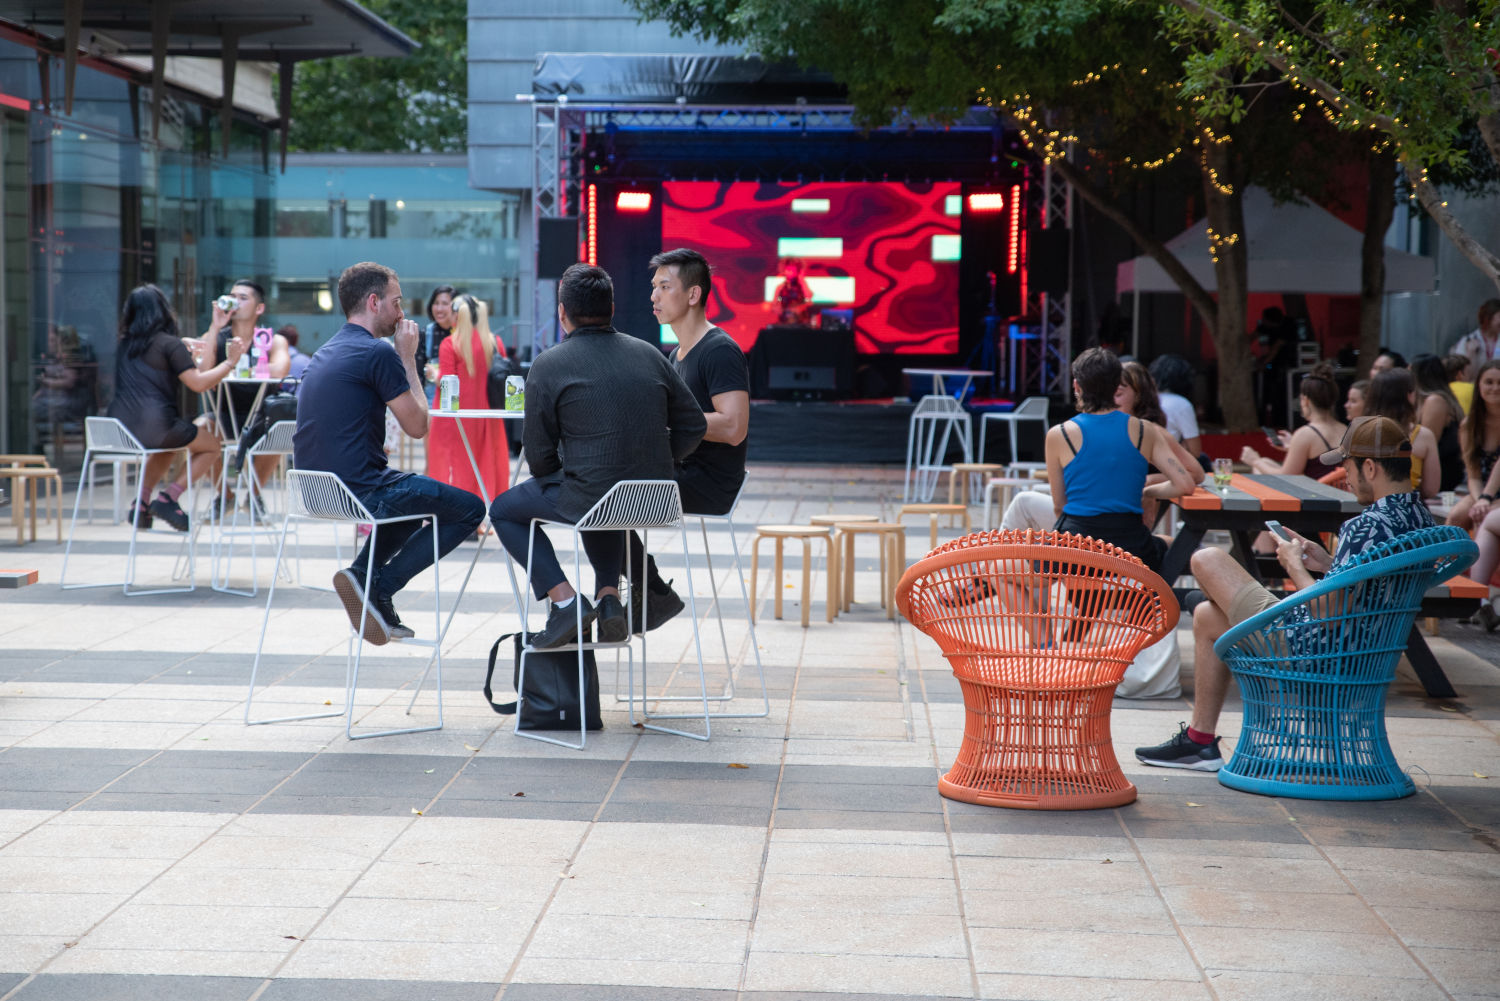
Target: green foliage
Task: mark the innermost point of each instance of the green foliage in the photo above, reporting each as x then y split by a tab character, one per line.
415	104
1411	74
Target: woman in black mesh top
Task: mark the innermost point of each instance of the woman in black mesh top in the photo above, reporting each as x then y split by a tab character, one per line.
150	360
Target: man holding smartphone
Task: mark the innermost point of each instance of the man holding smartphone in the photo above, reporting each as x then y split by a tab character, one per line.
1376	455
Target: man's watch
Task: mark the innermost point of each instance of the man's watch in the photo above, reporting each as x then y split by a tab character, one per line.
1487	497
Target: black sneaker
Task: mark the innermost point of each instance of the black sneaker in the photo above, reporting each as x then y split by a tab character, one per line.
610	620
169	511
1183	751
1487	618
140	515
387	610
350	587
258	509
662	603
562	625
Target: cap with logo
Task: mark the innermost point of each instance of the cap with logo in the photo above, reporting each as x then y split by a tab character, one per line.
1370	438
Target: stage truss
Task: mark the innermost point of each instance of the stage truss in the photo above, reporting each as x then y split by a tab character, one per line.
560	131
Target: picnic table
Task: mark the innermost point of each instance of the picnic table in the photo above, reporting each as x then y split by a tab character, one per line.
1309	508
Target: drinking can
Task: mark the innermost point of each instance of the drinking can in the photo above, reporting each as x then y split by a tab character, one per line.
515	392
227	303
448	392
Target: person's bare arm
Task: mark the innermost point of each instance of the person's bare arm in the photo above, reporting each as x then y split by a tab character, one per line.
1161	455
280	362
410	407
201	380
210	356
729	420
1425	445
1055	448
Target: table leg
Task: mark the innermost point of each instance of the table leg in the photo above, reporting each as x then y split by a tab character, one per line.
832	600
754	570
780	553
932	531
31	493
847	542
806	580
889	543
1429	671
1243	549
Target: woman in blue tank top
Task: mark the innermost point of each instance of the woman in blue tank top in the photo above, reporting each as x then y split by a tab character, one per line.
1097	464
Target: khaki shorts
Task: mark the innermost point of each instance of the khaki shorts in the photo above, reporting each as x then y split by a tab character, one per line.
1249	600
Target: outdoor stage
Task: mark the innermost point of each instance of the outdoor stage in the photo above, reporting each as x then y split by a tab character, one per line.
857	431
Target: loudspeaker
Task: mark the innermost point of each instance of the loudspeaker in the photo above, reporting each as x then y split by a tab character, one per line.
1048	269
558	247
782	378
791	360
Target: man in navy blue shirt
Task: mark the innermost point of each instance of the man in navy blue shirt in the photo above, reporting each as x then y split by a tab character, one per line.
341	429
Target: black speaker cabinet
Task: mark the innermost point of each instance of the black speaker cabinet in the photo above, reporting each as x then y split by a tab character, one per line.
558	250
791	361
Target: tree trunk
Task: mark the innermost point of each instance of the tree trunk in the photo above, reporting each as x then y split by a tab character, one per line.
1432	200
1228	247
1380	207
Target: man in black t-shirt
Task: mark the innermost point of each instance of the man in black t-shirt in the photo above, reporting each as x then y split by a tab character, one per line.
713	366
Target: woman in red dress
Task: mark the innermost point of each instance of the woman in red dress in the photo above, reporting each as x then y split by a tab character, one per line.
467	353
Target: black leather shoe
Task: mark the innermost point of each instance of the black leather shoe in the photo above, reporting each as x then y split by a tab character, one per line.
662	603
562	625
611	625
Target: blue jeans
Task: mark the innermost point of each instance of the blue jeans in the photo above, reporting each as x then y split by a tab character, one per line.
404	549
511	514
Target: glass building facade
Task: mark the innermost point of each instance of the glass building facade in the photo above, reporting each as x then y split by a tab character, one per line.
414	213
93	206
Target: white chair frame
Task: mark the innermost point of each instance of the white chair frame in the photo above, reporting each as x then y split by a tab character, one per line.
323	497
926	452
727	693
629	505
1033	408
108	440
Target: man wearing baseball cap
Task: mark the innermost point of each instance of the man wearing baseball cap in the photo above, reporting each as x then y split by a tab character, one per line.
1376	456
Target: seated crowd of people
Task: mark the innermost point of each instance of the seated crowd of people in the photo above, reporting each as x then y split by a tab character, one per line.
603	407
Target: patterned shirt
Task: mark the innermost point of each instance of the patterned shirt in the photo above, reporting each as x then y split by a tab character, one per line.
1382	521
1473	347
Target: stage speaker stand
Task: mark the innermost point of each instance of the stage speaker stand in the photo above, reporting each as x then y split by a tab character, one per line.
794	362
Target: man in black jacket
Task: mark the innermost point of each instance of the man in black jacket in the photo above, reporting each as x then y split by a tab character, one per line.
601	407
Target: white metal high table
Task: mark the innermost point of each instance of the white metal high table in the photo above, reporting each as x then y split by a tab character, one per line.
219	401
940	375
926	451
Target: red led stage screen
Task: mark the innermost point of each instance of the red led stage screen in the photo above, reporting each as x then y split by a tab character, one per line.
888	252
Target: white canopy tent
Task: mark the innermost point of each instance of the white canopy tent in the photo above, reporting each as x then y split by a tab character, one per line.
1292	248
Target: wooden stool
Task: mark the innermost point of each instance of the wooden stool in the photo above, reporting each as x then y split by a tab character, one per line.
962	472
892	538
933	512
780	533
24	472
832	521
1007	486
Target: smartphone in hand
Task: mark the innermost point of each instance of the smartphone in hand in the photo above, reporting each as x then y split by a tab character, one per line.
1272	437
1274	527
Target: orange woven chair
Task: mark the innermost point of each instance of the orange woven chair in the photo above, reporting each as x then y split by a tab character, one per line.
1039	628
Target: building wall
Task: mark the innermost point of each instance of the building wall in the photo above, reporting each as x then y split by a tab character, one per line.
412	212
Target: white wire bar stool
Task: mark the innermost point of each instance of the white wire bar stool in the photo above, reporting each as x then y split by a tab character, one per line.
323	497
935	419
107	440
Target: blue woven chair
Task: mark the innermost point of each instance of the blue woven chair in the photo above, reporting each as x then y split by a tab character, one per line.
1313	671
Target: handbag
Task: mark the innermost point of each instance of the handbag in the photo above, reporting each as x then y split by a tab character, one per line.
551	699
501	368
280	405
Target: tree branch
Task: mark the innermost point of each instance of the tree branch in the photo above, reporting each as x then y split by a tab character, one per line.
1202	301
1432	201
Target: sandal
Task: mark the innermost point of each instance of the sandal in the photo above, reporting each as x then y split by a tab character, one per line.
968	592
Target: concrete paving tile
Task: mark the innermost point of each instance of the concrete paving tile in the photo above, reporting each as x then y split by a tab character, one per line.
789	926
849	796
247	887
355	806
1081	953
1040	846
887	895
678	898
286	989
866	819
1068	909
50	802
95	734
686	813
31	708
1253	985
614	992
68	769
9	980
30	952
1453	893
131	987
1426	927
113	876
340	959
857	836
1226	872
147	841
138	710
65	914
525	842
643	973
1019	987
1042	876
15	822
504	922
1151	847
648	939
1423	862
1464	971
442	880
857	860
203	927
178	962
1302	951
803	971
1331	912
969	818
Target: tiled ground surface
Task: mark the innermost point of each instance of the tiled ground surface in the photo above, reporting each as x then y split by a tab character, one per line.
153	847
